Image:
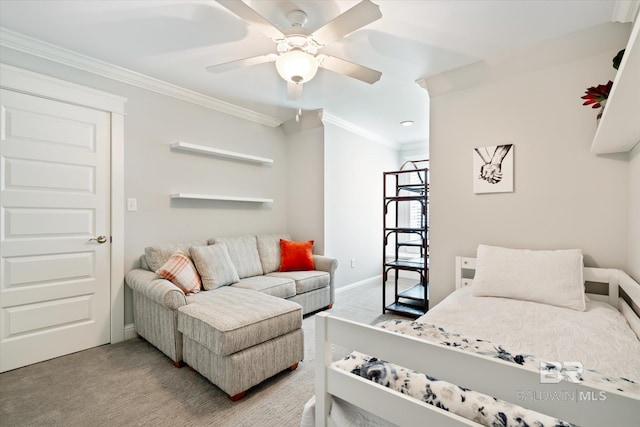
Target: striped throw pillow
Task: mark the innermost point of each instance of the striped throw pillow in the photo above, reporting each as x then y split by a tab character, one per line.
180	271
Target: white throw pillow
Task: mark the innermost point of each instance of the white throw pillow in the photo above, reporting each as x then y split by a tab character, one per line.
243	251
214	265
550	277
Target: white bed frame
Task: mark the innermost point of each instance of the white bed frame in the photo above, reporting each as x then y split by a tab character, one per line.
471	370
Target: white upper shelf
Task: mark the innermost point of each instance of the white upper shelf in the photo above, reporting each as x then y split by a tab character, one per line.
220	198
619	127
185	146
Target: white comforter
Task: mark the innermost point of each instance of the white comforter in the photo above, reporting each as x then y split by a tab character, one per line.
599	337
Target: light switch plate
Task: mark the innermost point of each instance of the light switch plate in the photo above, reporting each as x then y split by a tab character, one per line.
132	204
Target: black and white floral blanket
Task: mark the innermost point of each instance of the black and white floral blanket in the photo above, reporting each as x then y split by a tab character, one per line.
472	405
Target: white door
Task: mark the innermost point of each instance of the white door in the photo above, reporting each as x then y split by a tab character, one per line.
54	197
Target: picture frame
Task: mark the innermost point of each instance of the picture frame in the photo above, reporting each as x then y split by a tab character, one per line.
493	169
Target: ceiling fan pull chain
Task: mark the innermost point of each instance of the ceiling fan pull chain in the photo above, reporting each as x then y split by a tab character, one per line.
299	113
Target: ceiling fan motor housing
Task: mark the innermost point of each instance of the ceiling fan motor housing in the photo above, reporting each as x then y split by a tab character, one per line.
297	18
298	41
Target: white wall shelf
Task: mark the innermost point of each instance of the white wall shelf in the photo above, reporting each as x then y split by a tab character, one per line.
201	149
619	127
220	198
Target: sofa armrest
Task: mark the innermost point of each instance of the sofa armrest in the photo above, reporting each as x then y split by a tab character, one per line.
323	263
155	288
329	265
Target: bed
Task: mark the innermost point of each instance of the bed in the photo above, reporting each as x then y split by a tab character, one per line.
566	366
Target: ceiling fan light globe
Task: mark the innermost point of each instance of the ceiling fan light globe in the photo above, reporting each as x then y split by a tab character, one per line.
297	66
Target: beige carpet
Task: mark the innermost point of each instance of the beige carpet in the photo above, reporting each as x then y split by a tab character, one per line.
133	384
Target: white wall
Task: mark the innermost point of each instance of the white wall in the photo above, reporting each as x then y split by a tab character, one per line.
353	202
565	197
152	171
305	185
634	213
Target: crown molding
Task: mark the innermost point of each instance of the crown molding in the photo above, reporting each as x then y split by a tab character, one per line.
625	11
26	81
20	42
330	118
419	145
310	120
422	83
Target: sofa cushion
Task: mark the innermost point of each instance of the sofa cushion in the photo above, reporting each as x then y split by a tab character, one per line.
180	271
305	280
281	287
228	319
244	254
215	266
269	251
156	256
296	256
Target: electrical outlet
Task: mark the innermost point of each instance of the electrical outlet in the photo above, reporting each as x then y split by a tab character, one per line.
132	205
353	263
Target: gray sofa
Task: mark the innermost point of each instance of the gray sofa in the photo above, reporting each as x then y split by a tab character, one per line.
258	302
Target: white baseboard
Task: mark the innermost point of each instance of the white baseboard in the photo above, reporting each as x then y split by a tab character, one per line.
129	331
378	279
369	281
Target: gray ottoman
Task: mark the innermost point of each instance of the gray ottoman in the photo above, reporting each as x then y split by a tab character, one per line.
237	338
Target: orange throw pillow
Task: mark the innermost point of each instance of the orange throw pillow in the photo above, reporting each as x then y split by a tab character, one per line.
296	255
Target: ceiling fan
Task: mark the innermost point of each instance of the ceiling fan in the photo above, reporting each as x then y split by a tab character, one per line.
297	59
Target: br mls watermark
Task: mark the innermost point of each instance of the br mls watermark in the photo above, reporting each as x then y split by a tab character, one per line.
554	373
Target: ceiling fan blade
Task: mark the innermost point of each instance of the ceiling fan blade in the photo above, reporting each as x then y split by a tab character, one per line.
350	69
246	62
294	91
244	11
358	16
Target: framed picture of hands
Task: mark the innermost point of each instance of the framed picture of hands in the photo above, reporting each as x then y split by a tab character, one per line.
493	169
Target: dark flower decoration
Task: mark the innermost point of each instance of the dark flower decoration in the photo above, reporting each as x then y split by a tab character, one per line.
596	95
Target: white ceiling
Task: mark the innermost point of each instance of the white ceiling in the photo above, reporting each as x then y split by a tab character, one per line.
175	40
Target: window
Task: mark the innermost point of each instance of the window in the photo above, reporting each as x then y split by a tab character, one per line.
415	208
415	217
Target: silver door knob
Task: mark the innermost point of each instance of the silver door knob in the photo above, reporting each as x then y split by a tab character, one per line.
100	239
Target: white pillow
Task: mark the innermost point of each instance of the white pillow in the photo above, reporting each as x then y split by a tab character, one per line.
548	277
214	265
